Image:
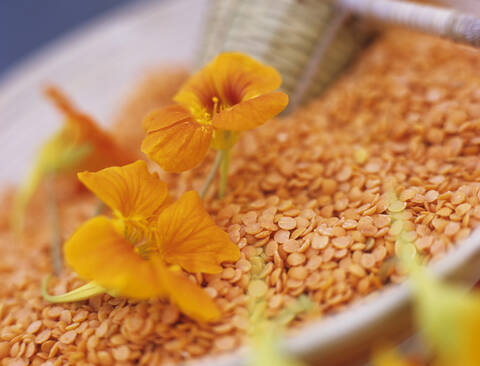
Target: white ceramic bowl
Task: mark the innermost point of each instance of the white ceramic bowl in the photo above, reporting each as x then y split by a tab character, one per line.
98	64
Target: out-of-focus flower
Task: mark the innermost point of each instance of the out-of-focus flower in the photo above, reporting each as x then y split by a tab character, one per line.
266	349
141	252
265	332
232	94
391	358
79	145
79	130
449	319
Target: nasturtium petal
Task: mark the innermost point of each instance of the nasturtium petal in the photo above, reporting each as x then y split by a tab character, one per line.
251	113
174	140
190	297
130	190
97	252
187	236
80	128
238	77
165	117
67	108
80	144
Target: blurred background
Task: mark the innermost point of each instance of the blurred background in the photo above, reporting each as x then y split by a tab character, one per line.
96	51
27	25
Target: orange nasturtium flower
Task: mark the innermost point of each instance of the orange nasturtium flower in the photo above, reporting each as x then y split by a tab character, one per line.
79	145
141	251
232	94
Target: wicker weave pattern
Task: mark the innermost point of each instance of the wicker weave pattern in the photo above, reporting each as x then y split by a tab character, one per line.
284	34
443	22
290	34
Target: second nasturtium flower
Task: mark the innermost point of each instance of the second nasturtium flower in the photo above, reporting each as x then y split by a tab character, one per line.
233	93
79	145
142	251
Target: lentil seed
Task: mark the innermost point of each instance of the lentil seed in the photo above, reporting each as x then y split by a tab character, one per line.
397	206
367	229
43	336
121	353
34	327
291	246
287	223
298	273
68	337
342	242
431	196
296	259
357	270
319	241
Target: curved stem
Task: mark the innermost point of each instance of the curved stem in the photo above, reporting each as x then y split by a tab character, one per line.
211	174
98	208
224	172
56	244
82	293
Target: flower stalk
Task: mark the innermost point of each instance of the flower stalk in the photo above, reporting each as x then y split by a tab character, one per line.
82	293
99	208
211	175
56	241
225	163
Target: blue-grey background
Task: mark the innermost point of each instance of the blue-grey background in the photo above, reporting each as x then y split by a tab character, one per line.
27	25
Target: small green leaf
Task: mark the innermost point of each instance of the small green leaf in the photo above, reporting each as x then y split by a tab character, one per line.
82	293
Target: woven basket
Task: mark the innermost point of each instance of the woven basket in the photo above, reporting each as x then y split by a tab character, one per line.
286	34
310	42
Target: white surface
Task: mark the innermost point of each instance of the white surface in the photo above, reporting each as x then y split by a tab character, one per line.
96	65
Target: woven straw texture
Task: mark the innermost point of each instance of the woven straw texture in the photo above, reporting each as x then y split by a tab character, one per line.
285	34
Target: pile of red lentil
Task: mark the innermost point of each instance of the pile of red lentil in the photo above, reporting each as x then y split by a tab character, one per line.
308	194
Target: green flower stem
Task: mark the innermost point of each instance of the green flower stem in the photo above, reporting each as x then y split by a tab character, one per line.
211	174
82	293
98	208
55	248
224	172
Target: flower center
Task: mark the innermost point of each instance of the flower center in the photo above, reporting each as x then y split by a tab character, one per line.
204	114
146	249
140	236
